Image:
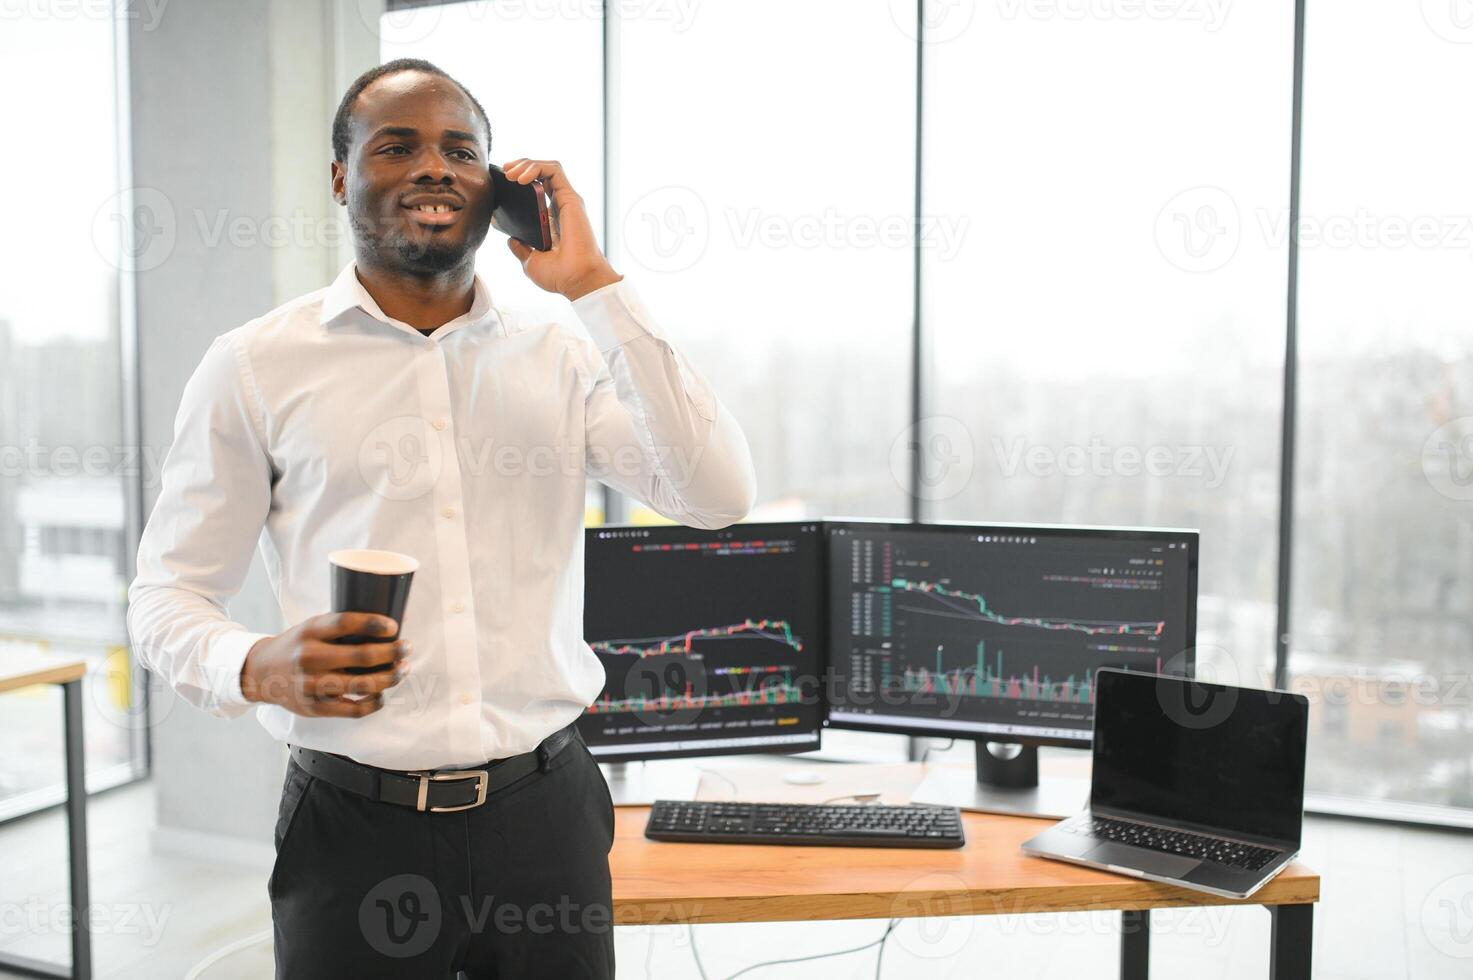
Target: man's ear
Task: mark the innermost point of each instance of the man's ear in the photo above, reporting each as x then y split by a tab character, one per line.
339	176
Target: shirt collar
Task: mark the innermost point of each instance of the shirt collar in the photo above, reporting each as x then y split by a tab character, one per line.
347	293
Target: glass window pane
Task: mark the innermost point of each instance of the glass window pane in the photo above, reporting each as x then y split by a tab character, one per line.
62	527
542	105
1382	625
1107	337
538	109
764	193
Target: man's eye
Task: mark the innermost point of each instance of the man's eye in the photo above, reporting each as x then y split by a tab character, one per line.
393	147
469	155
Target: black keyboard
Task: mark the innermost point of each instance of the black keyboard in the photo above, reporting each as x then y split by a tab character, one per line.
805	823
1233	854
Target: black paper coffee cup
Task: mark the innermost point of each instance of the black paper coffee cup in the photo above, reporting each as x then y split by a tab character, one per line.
371	582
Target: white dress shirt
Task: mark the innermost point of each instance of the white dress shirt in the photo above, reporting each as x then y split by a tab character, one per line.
326	424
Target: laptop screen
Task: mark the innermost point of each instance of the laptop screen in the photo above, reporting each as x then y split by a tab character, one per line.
1183	751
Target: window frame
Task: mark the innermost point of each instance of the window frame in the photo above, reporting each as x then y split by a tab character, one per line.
616	507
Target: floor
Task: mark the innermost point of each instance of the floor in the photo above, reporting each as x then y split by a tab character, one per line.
1397	905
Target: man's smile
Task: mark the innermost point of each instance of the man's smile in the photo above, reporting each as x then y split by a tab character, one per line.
433	209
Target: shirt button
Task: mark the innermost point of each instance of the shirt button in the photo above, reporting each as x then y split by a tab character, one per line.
439	425
457	607
465	699
429	345
448	512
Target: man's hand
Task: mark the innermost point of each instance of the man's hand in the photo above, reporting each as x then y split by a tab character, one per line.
301	671
574	266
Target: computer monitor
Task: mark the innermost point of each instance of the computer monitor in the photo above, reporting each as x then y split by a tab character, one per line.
710	640
993	633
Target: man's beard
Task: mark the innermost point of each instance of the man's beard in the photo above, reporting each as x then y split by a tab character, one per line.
428	257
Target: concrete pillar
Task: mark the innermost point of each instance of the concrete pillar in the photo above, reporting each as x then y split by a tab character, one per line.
231	106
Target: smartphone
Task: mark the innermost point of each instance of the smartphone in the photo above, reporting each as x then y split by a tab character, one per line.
521	211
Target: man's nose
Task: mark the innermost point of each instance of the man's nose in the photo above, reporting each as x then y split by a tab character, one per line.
431	165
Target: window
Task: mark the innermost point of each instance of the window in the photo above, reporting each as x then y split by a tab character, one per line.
763	200
1383	553
62	466
539	108
501	53
1105	310
1104	242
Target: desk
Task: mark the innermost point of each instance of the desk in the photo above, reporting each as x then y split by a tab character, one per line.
23	670
656	883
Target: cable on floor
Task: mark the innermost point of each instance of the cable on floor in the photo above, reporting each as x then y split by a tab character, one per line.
879	959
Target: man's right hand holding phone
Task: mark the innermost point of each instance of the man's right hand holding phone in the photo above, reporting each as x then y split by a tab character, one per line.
302	670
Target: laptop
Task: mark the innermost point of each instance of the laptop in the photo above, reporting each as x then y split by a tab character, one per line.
1194	784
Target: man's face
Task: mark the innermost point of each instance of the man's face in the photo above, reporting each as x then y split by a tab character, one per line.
416	181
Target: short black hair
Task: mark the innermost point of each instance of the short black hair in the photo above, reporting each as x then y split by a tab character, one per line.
341	121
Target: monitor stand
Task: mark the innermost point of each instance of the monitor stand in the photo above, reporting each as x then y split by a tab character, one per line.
642	783
1005	781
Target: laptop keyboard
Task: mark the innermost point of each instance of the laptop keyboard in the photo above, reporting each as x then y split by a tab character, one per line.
1233	854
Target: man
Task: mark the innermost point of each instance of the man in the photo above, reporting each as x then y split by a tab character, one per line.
397	409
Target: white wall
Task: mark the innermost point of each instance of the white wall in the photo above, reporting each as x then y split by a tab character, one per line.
231	108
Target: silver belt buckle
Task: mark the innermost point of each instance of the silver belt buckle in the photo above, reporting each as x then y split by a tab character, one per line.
425	778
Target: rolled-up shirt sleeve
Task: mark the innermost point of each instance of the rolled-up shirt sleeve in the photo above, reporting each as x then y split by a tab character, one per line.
654	428
196	547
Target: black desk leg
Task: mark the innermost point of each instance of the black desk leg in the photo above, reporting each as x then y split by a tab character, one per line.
1291	942
76	820
1135	944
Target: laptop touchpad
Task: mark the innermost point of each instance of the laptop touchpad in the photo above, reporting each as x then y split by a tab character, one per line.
1141	859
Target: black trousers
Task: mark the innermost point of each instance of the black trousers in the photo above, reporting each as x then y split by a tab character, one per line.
515	888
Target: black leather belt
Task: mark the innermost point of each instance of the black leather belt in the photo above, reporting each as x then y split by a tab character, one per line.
432	791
